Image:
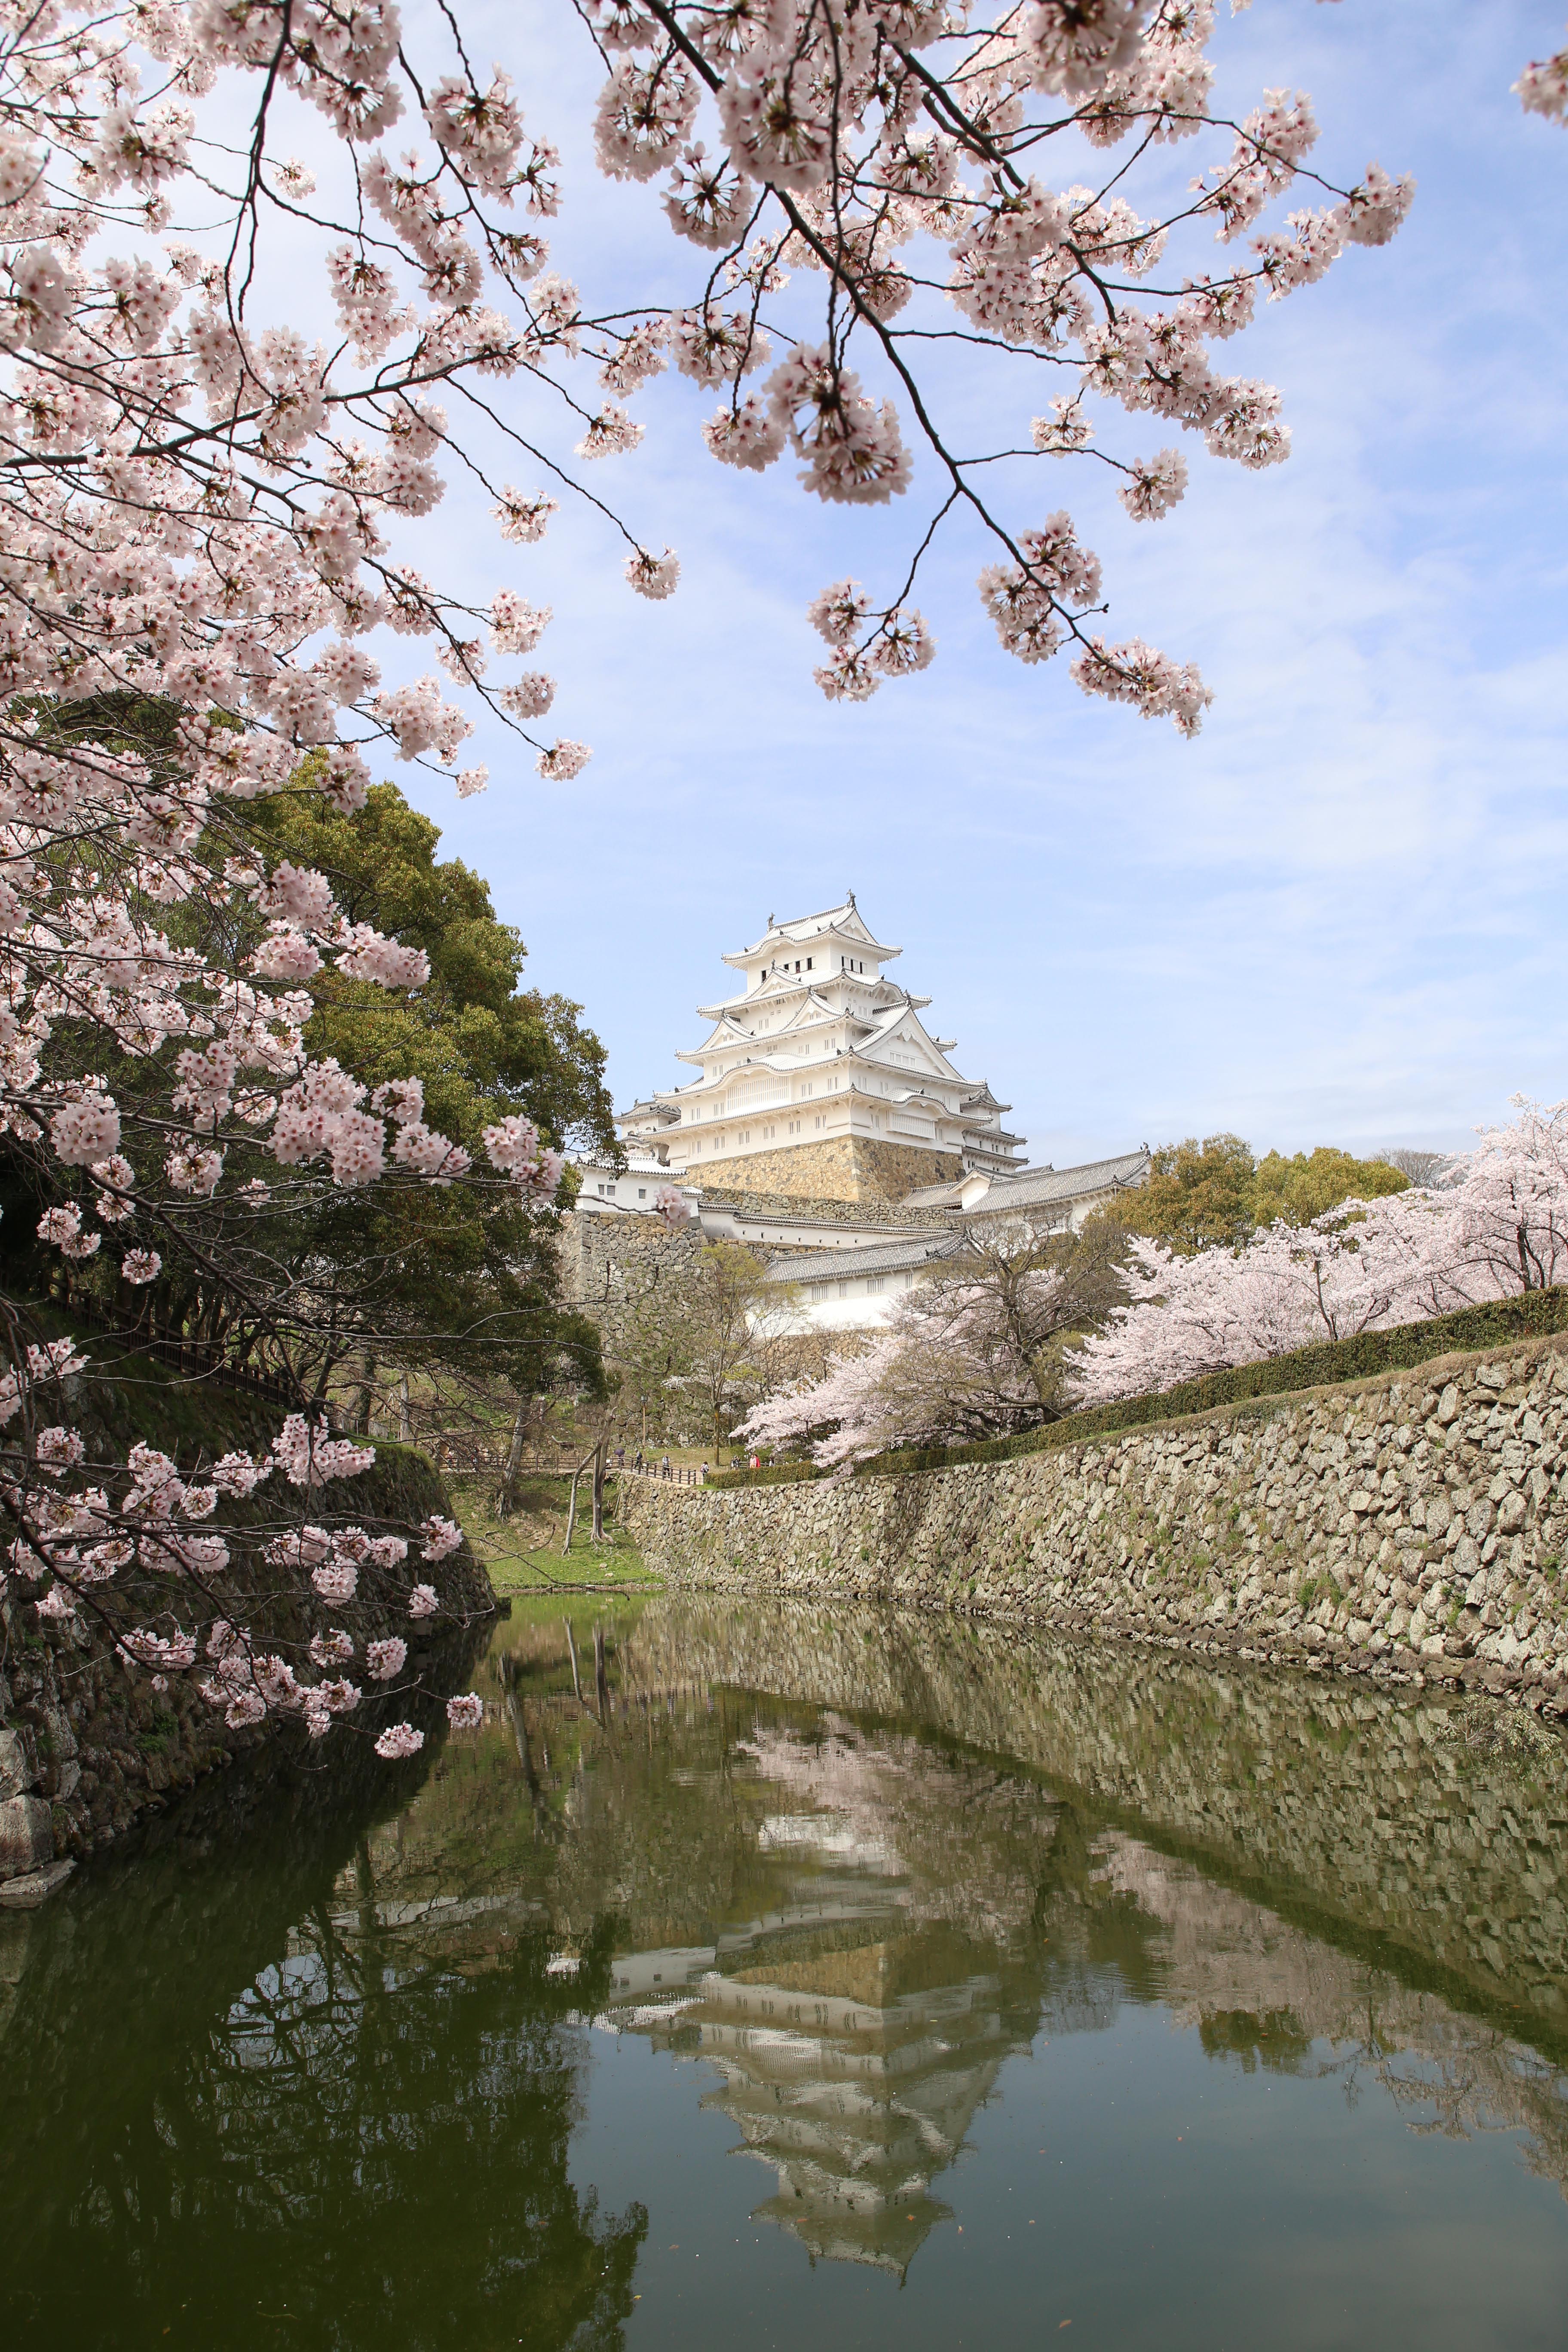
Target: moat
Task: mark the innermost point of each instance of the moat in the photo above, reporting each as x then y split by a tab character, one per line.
770	1974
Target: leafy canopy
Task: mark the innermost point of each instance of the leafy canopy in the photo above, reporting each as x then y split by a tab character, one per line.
1217	1193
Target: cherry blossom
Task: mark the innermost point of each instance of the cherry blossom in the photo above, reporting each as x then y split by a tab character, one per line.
1498	1226
1542	87
465	1712
399	1740
563	762
653	575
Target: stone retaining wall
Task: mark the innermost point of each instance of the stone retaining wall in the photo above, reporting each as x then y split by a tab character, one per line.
1410	1526
836	1168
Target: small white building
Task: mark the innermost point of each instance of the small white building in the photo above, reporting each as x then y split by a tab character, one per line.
633	1189
857	1289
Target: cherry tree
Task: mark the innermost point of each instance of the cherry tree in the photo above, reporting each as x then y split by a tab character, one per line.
976	1349
1497	1226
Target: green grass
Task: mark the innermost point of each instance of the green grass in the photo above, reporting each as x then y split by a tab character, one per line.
523	1554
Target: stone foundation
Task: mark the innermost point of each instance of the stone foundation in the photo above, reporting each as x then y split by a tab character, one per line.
838	1168
1414	1526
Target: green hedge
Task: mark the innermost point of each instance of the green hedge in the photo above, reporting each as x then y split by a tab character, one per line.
1535	1316
777	1473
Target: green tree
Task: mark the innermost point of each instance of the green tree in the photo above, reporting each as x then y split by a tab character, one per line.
1302	1188
1217	1193
1198	1194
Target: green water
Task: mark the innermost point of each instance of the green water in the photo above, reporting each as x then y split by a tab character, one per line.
822	1978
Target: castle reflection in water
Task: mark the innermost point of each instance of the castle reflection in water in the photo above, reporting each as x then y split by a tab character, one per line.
855	2028
853	1926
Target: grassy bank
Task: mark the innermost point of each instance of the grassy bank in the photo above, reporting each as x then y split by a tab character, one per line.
524	1553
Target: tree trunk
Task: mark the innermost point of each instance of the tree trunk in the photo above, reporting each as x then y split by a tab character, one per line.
506	1501
572	1653
599	1453
571	1503
366	1396
404	1417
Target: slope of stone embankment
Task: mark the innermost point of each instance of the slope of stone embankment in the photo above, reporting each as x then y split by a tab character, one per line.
86	1750
1410	1525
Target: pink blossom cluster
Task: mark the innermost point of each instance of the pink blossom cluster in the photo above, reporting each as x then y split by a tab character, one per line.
515	1146
398	1741
1496	1227
896	645
439	1536
670	1204
309	1456
1542	87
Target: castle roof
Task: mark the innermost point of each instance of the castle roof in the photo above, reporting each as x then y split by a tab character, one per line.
845	921
902	1255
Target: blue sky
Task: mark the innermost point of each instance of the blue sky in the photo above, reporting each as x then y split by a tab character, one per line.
1333	918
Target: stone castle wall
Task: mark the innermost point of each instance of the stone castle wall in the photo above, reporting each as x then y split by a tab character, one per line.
610	1264
838	1168
1410	1525
872	1214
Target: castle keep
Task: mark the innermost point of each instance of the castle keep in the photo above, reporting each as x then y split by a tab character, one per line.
819	1080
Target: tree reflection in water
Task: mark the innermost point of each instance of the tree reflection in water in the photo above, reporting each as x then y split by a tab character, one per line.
364	2141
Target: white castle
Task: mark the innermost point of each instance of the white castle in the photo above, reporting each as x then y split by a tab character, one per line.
820	1081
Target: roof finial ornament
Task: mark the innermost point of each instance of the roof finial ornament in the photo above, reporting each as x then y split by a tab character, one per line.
770	922
849	898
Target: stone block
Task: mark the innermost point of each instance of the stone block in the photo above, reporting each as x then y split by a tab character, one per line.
26	1835
18	1768
25	1893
